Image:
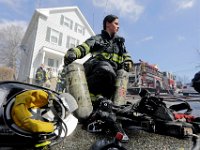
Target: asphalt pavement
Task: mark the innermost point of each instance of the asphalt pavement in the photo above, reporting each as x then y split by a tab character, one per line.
139	139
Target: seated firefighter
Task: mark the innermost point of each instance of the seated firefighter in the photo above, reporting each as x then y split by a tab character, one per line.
108	56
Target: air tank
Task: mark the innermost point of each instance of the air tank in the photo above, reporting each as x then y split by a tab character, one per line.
121	87
76	85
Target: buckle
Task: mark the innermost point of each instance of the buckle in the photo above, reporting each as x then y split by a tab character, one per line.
95	126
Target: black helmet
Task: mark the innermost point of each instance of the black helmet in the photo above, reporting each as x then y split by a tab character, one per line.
196	82
57	112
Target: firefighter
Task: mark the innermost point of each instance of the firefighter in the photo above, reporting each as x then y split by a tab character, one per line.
49	76
108	55
196	82
41	76
60	81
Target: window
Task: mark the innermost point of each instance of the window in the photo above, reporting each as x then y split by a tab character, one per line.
79	29
66	22
54	36
72	42
50	62
77	42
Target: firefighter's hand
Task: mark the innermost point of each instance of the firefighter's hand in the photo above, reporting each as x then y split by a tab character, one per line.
69	57
128	66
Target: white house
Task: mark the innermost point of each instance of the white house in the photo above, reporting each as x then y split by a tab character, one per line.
51	32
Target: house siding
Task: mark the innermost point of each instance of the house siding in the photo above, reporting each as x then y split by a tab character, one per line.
25	65
36	40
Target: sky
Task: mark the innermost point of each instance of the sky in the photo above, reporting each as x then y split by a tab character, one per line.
162	32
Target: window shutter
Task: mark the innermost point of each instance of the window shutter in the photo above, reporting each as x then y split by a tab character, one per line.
60	39
68	39
75	28
61	19
77	42
48	33
71	24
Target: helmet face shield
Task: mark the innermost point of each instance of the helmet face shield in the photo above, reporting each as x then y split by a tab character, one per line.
69	102
71	123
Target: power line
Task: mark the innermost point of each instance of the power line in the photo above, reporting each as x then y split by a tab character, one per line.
105	8
93	20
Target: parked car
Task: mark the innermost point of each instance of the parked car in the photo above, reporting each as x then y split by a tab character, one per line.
189	90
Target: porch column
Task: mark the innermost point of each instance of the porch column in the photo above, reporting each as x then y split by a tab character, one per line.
43	56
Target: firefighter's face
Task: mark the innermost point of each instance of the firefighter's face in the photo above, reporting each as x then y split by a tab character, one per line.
113	27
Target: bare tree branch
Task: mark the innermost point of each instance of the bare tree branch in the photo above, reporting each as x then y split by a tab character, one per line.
10	39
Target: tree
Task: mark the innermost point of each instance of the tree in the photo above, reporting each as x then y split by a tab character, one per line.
10	39
182	79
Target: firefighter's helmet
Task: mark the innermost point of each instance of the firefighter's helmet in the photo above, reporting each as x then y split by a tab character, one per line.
38	114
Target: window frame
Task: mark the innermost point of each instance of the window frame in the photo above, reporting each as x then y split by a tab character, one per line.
68	22
50	62
79	29
54	36
70	44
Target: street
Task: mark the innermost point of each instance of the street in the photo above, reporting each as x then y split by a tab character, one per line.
139	140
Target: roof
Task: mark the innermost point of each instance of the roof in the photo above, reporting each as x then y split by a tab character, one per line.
47	11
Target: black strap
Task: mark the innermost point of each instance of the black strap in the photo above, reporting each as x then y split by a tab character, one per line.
60	121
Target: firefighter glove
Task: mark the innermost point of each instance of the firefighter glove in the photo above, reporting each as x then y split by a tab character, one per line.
70	56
